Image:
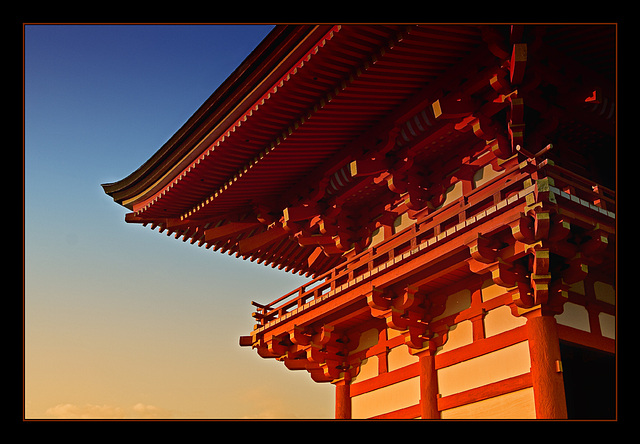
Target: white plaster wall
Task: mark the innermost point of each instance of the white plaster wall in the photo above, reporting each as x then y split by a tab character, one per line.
501	319
386	399
456	302
459	335
605	292
515	405
607	325
399	357
574	315
490	290
491	367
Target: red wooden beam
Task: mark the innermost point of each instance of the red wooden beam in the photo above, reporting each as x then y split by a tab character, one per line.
518	62
367	167
228	230
301	212
253	243
451	108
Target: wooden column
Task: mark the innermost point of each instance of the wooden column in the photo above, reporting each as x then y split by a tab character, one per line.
546	367
343	399
428	386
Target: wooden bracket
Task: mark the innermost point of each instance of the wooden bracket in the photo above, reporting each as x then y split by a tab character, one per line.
453	108
576	271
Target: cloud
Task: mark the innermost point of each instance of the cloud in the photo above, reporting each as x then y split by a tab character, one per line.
150	411
91	411
88	411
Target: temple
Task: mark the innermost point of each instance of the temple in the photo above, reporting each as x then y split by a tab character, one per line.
449	190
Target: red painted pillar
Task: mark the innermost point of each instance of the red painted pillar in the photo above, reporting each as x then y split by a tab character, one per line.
546	373
343	399
428	386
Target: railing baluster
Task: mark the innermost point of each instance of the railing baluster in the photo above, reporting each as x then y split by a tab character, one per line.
432	223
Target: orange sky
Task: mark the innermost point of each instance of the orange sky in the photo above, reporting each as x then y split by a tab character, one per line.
121	321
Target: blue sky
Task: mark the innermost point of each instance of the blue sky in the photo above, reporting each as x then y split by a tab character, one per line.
122	321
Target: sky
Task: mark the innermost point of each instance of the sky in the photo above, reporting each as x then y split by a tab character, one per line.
122	322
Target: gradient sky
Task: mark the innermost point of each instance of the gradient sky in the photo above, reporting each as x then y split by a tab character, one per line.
122	321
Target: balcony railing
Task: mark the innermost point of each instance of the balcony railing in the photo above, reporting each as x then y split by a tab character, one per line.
504	191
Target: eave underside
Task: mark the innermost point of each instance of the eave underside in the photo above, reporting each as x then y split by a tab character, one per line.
267	188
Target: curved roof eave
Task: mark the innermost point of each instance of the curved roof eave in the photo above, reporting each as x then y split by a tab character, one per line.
249	79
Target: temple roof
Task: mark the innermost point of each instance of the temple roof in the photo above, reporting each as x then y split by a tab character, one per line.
289	122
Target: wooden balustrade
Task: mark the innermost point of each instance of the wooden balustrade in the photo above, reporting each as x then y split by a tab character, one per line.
433	225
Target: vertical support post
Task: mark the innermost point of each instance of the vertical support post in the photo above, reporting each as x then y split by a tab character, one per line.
343	398
544	349
428	386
